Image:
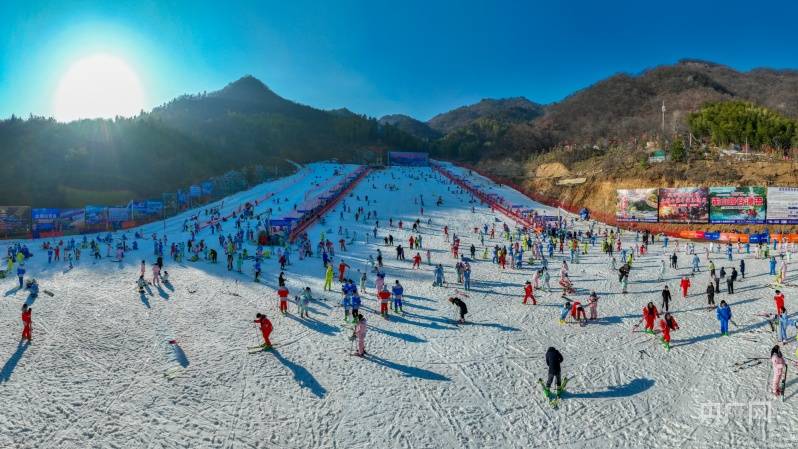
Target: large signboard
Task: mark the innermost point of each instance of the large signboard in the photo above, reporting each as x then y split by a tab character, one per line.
44	219
782	205
737	205
684	205
15	220
207	187
637	205
72	220
195	191
118	214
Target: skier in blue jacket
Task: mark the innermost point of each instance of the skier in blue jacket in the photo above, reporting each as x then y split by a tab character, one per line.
438	276
397	291
724	315
784	321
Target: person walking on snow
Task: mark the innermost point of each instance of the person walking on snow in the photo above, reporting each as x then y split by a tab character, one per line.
666	298
784	321
282	293
265	329
303	303
27	324
710	295
328	277
779	370
592	302
342	271
417	261
684	284
724	315
397	291
384	296
360	334
779	299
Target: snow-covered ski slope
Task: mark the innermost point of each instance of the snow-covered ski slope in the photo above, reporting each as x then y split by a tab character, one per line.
101	374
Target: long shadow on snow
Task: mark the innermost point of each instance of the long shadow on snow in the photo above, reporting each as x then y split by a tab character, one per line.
12	291
634	387
416	306
301	375
144	300
11	363
431	325
400	335
318	326
408	371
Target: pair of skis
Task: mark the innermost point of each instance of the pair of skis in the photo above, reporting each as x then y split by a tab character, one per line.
260	348
554	398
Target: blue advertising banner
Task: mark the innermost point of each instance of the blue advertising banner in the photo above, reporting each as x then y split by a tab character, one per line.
154	207
207	188
118	214
45	219
195	191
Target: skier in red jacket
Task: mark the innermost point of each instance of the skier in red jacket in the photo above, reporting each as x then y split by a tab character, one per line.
650	313
779	298
684	284
282	292
417	261
384	295
265	329
666	325
341	271
26	322
529	293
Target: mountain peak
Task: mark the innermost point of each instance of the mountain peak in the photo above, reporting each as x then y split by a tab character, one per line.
246	88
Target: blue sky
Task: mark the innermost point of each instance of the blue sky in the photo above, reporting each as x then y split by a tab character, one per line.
379	57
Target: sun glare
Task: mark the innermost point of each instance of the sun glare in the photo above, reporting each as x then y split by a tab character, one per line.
98	86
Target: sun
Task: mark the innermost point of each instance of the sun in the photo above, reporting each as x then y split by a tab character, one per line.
98	86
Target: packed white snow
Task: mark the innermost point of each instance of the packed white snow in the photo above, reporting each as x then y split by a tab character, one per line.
100	372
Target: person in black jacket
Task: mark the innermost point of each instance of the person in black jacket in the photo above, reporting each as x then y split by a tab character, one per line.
666	298
710	295
553	360
463	309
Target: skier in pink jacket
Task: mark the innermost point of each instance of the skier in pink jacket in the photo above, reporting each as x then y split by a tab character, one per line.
777	360
156	274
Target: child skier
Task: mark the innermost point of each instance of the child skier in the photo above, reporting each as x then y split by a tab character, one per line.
462	306
26	322
553	360
779	370
529	294
328	278
397	291
360	334
384	296
564	311
282	293
265	329
650	313
684	284
666	325
592	302
724	315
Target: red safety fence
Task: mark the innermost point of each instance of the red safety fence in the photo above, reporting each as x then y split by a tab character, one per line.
303	225
683	231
